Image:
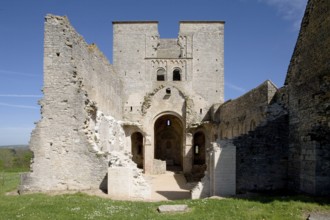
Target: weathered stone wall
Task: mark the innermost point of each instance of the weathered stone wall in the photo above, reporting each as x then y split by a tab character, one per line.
220	177
79	83
258	124
244	114
308	82
204	43
262	154
197	54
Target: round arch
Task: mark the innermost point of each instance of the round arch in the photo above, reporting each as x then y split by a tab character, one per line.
176	74
168	139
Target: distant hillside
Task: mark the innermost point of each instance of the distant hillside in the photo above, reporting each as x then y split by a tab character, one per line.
15	158
14	146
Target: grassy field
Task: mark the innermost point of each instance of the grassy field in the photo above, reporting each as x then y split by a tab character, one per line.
81	206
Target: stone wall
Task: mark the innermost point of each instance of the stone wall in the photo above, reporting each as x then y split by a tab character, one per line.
244	114
308	82
79	84
196	55
262	154
258	124
204	43
220	177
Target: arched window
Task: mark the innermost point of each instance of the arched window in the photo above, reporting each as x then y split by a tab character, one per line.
161	74
252	125
176	75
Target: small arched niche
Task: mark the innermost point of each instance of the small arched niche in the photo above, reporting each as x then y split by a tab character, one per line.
176	74
161	74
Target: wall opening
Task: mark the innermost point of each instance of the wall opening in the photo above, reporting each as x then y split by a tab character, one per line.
199	157
252	125
161	74
137	149
177	75
199	148
168	139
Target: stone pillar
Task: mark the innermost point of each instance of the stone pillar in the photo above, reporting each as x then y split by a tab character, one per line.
187	154
223	171
220	178
148	156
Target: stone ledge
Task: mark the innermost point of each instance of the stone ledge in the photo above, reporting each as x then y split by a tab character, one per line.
172	208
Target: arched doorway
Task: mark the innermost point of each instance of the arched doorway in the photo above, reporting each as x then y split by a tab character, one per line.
137	149
199	148
168	131
199	156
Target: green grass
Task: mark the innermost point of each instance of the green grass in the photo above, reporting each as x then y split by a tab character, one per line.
81	206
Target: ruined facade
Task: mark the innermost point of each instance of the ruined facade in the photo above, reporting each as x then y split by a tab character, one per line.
160	106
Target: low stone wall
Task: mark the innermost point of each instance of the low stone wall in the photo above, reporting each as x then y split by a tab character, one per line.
125	180
159	167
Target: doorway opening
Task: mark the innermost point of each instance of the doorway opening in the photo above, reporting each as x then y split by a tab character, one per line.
137	149
199	156
168	131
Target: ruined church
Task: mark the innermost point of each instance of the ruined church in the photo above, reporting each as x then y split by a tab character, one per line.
160	106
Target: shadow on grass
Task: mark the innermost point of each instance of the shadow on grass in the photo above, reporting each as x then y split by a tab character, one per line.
269	197
174	195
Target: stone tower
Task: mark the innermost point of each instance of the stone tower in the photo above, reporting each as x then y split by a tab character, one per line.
171	80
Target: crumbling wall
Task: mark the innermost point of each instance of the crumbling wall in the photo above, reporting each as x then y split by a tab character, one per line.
125	180
79	83
239	116
308	82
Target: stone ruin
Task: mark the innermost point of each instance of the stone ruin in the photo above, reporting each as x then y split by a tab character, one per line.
160	106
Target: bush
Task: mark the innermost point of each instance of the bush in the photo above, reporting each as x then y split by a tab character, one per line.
15	159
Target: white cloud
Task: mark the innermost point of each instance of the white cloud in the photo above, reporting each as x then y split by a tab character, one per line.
234	87
291	10
20	96
18	106
8	72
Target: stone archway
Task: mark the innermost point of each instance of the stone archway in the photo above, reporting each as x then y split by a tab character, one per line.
168	141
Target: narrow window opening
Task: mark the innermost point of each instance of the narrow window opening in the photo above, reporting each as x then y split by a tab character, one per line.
168	91
200	111
168	122
252	125
196	150
176	75
131	108
161	74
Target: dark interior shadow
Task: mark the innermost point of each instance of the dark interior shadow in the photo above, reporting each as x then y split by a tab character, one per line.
104	184
268	197
173	195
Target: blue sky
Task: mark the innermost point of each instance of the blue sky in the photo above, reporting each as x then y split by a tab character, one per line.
260	36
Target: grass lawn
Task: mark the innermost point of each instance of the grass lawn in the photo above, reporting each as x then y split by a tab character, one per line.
81	206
